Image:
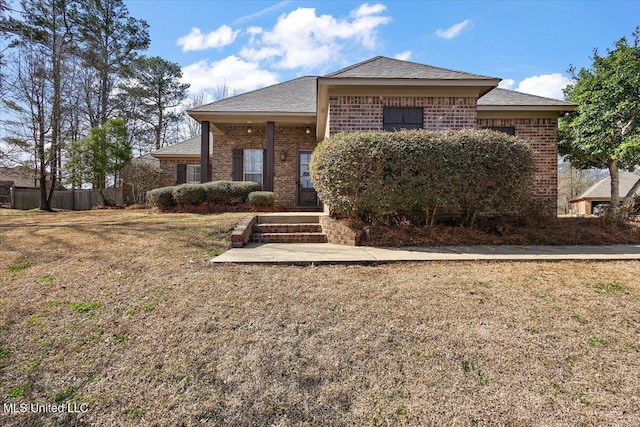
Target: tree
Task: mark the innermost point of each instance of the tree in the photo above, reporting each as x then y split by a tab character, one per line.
141	176
109	40
200	98
156	84
44	42
100	157
604	133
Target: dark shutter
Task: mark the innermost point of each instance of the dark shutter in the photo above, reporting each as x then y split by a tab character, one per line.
236	166
396	118
209	172
181	175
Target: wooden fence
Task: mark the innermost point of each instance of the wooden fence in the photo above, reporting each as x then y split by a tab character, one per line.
73	200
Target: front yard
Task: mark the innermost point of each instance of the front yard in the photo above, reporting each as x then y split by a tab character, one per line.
121	311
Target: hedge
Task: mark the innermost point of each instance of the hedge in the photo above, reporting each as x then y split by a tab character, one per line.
161	197
216	192
421	175
262	199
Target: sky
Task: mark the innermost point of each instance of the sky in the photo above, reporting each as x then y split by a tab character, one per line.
246	45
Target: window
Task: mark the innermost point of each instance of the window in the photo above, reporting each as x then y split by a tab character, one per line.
253	166
509	130
193	174
397	118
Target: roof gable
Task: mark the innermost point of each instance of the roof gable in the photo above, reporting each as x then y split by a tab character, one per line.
189	147
602	188
381	67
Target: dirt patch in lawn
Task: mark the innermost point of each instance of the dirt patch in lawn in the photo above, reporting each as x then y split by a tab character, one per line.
122	311
551	231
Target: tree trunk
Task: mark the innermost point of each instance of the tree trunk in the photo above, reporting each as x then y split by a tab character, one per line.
631	193
615	186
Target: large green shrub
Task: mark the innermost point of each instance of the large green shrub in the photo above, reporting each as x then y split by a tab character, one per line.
420	175
161	197
262	199
188	194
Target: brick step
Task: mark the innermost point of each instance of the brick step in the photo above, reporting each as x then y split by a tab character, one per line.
288	218
289	237
287	228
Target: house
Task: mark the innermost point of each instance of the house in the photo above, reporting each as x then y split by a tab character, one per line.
267	135
599	194
20	176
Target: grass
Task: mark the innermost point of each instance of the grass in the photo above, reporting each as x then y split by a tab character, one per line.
170	339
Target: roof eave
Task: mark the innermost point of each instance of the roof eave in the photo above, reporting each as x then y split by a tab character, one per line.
358	81
559	108
253	116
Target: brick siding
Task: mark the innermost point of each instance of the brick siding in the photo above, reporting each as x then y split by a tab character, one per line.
364	113
542	136
291	139
169	170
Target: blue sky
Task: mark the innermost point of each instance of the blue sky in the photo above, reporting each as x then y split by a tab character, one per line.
250	44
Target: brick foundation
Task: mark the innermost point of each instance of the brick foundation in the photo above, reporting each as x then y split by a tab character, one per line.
338	233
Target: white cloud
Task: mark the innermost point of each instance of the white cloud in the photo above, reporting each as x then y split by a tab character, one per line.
367	9
547	85
302	39
195	40
507	84
453	31
403	56
239	75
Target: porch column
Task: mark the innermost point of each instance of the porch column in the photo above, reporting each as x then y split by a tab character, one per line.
269	160
204	152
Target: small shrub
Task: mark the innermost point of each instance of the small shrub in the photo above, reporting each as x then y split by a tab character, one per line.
161	197
262	199
240	190
188	194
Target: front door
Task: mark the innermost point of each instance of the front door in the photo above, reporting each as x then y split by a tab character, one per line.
307	195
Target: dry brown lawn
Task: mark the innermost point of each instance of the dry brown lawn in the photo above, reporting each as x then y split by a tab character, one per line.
121	311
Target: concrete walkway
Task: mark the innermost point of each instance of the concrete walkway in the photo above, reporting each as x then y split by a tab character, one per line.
325	253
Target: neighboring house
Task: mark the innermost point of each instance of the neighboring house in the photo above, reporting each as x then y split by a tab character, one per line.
268	135
598	195
20	176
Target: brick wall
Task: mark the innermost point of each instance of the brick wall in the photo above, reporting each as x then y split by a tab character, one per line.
290	139
364	113
542	136
169	171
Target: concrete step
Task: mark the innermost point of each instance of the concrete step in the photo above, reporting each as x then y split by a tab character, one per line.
288	218
289	237
288	228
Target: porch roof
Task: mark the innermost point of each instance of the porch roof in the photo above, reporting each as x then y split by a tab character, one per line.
503	99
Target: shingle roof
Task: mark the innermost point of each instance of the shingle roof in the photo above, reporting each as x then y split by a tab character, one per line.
504	97
602	188
293	96
382	67
190	147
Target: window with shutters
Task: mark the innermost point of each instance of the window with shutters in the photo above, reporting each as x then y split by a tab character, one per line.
193	174
398	118
253	165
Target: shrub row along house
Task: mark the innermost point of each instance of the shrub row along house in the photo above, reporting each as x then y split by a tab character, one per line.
268	135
